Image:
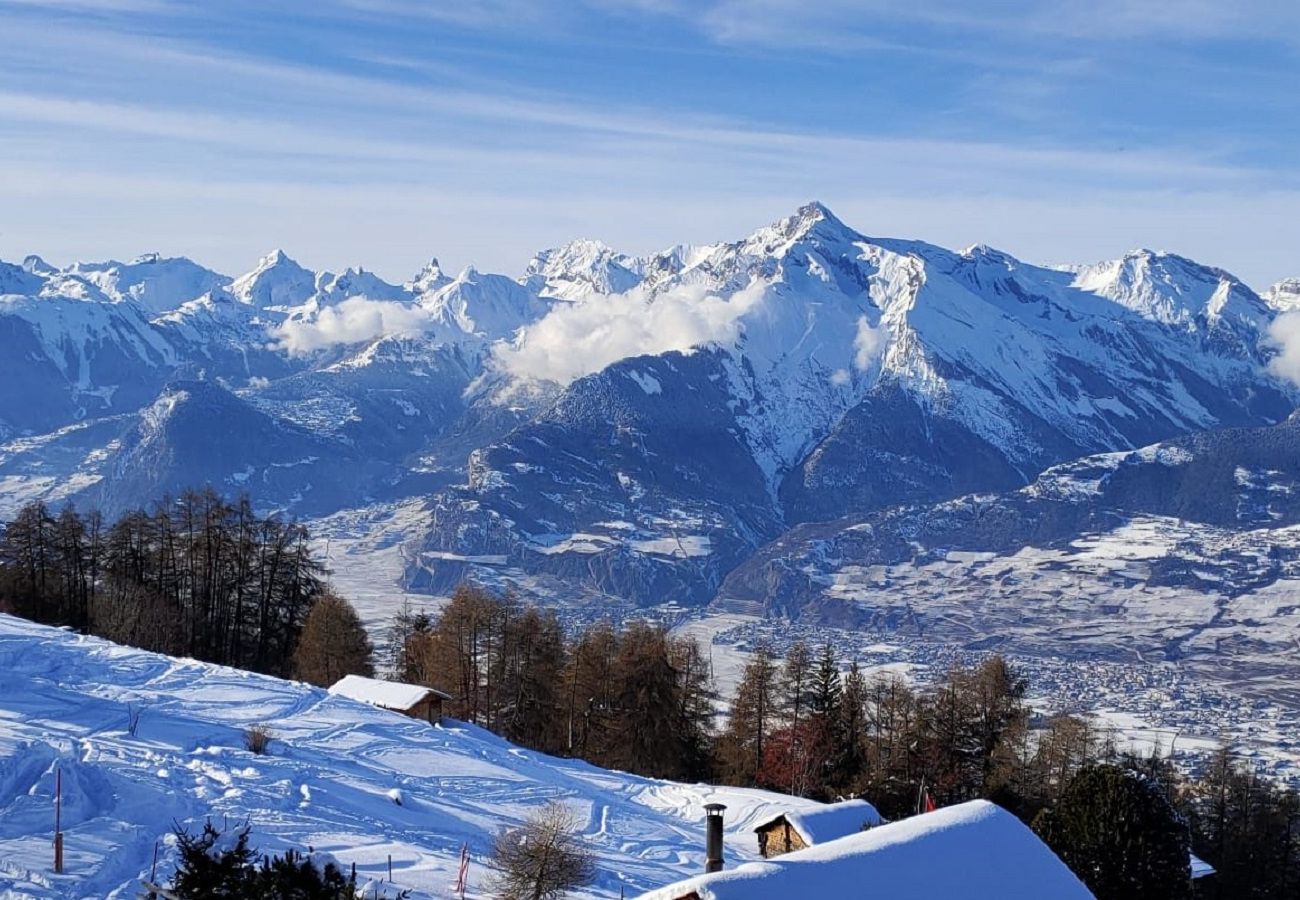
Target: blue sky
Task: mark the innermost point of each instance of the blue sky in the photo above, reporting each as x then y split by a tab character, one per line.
383	132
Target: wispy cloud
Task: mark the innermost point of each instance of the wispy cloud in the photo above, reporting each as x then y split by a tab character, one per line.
347	157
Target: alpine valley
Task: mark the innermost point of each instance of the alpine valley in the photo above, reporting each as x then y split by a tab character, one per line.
808	424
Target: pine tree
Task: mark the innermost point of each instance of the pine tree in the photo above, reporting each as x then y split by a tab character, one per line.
1118	832
589	694
212	868
848	756
796	683
827	685
531	682
333	643
648	704
740	748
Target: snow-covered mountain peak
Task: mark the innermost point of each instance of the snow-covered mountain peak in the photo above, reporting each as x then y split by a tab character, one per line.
37	266
485	306
428	279
153	282
812	222
1284	296
332	288
1172	289
276	281
581	268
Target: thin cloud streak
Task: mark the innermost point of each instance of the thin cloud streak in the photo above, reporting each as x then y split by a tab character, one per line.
461	161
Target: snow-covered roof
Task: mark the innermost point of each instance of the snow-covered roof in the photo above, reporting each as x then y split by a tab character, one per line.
1200	868
829	822
386	694
973	851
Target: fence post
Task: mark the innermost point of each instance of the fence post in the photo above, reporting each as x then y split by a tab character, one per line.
58	820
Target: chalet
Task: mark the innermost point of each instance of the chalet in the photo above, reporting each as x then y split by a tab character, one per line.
412	700
975	851
796	830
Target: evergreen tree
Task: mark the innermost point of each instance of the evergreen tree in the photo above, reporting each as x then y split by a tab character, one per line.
212	867
847	754
531	681
796	683
1117	831
589	694
333	643
740	748
293	876
827	685
649	704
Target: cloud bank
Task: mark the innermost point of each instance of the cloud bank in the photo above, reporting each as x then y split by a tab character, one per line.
572	341
1284	334
354	320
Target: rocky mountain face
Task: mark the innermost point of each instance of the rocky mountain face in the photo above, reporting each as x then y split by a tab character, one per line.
861	374
722	420
1183	548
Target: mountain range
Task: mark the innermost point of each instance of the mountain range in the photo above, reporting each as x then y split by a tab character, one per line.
754	424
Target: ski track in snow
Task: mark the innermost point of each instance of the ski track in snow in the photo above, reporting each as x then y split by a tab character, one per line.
328	781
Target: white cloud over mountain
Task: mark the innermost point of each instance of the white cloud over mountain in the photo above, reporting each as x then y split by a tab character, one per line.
578	339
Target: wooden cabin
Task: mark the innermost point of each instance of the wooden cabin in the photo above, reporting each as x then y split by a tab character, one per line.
795	830
414	700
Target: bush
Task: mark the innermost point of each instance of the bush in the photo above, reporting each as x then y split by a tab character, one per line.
543	859
257	738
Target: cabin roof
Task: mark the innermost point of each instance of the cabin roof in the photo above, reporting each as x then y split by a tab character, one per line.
385	694
973	851
828	822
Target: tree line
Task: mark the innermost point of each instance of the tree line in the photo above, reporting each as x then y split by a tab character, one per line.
639	699
633	698
194	576
207	578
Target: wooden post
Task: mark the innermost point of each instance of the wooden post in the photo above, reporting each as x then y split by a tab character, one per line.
390	868
58	821
153	870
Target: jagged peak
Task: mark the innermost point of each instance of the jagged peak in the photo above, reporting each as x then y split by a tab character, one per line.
430	278
37	266
276	280
276	257
811	222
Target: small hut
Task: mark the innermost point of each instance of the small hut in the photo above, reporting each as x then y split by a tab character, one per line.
793	830
412	700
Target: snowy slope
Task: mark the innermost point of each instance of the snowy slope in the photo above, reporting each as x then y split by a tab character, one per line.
343	777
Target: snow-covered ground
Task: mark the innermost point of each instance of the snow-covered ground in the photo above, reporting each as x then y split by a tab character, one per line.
364	551
345	778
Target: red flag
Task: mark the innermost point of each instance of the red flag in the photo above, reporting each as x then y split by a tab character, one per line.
929	803
463	875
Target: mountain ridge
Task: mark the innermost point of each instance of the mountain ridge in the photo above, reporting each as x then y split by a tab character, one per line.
708	398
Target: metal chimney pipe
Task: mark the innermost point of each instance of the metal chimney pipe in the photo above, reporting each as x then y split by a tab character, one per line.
713	846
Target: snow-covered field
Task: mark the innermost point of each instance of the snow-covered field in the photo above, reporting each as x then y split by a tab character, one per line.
356	782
